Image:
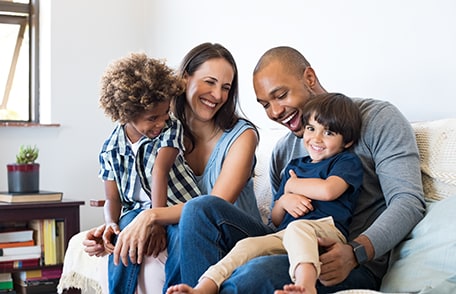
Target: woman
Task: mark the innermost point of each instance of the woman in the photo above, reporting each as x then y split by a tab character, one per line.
220	149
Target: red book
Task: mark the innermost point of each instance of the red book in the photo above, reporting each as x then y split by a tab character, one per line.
18	264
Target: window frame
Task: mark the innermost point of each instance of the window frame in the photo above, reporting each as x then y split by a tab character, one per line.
31	10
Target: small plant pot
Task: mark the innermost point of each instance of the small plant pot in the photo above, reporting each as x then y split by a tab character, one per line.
23	178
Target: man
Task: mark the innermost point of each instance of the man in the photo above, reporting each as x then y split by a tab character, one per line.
391	202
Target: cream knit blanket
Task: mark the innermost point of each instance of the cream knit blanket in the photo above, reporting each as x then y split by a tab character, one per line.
437	146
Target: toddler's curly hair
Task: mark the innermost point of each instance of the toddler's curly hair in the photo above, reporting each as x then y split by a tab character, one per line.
134	84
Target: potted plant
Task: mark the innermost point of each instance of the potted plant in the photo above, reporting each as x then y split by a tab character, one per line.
24	175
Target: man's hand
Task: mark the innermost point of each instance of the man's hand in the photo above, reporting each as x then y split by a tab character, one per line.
337	261
93	242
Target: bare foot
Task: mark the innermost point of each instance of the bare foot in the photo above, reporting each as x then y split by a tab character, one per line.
295	289
182	289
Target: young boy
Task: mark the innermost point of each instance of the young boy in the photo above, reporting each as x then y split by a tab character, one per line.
316	199
141	163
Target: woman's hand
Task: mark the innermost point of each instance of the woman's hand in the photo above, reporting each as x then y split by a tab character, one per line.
140	237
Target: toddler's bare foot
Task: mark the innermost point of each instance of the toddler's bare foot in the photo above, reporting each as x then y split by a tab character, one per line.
182	289
295	289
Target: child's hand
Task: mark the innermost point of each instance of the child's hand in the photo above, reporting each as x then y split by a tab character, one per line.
109	231
296	205
93	242
293	176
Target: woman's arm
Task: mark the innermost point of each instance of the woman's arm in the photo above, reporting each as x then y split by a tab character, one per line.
237	167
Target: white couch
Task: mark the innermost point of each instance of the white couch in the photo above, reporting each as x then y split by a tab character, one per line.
425	262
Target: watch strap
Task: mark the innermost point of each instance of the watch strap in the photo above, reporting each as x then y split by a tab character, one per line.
359	252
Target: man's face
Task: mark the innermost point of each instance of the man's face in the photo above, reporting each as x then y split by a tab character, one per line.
282	95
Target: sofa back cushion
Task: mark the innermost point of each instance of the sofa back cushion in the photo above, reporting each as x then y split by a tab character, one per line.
426	259
437	146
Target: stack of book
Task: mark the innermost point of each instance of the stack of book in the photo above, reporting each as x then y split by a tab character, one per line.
18	249
37	281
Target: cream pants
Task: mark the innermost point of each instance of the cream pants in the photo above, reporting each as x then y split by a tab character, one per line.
299	240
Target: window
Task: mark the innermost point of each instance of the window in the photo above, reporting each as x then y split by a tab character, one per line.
19	80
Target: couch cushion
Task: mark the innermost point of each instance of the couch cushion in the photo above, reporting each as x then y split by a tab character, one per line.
262	184
437	146
427	258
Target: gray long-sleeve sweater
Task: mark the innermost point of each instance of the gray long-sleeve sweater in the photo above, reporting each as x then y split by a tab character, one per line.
391	202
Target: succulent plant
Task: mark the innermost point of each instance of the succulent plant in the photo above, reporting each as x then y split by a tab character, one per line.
27	154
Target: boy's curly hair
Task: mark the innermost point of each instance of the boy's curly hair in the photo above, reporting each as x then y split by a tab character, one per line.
134	84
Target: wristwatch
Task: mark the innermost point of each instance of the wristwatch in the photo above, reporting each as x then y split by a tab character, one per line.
359	251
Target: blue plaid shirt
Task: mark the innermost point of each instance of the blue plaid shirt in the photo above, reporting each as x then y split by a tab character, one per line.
118	163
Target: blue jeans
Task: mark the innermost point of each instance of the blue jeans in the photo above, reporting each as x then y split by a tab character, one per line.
268	273
208	228
123	279
172	265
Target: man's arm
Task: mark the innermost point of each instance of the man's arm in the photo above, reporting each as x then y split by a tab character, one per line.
392	143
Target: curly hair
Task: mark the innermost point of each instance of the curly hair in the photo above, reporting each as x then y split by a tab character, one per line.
136	83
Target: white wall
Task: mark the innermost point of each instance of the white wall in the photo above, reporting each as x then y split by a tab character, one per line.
401	51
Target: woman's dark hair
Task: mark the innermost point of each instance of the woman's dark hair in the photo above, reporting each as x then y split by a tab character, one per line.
337	112
227	116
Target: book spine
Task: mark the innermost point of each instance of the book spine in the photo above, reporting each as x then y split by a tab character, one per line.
20	250
20	257
50	257
17	244
16	236
19	264
38	275
6	285
60	240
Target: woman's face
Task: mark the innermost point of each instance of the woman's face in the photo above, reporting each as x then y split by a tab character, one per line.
207	89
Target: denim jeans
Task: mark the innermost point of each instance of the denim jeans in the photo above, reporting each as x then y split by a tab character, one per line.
268	273
209	227
172	265
123	279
